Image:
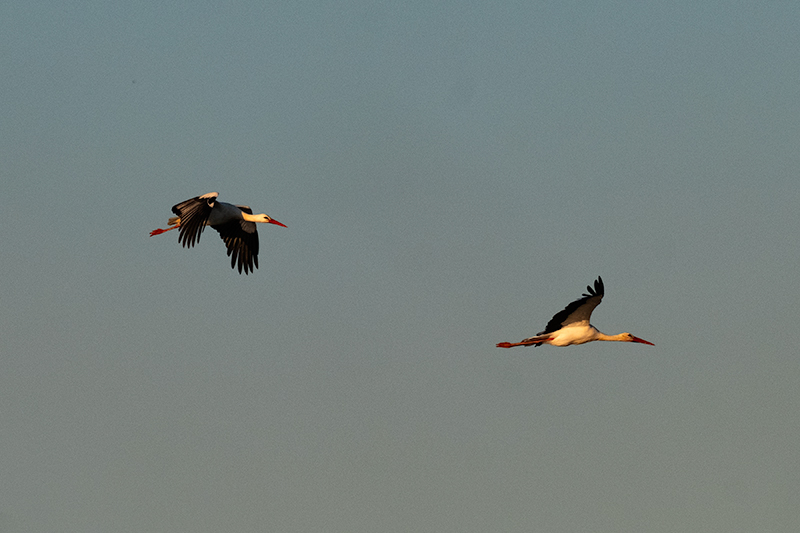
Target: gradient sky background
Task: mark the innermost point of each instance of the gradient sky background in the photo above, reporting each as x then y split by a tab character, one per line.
451	175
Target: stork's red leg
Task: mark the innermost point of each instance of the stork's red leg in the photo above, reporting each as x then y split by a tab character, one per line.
160	231
529	343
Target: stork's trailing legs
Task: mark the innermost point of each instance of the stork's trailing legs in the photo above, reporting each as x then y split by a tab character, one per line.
523	343
173	220
160	231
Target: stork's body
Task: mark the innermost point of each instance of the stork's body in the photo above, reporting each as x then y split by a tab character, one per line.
571	325
236	225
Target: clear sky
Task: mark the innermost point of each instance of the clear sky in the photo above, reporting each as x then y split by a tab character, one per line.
451	175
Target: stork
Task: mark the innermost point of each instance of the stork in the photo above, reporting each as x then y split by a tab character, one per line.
571	325
235	224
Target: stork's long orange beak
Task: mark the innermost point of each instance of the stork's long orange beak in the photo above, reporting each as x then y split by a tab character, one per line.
273	221
642	341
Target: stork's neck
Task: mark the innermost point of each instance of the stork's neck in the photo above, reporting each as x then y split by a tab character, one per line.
603	337
253	218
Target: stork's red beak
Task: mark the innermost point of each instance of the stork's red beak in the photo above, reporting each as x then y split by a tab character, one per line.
642	341
273	221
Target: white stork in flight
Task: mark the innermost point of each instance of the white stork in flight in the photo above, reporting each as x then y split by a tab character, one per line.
571	325
235	224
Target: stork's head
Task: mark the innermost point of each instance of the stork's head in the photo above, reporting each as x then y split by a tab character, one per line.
266	219
632	338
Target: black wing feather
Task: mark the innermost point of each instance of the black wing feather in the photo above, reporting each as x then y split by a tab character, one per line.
194	214
560	319
241	240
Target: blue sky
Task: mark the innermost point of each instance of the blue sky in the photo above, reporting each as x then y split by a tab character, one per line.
451	175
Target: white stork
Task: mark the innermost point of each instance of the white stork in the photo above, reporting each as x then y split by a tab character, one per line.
571	325
235	224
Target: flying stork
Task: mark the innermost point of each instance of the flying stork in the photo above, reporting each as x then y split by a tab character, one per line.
235	224
571	325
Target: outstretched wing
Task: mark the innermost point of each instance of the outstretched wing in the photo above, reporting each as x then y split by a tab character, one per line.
193	214
579	310
241	240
